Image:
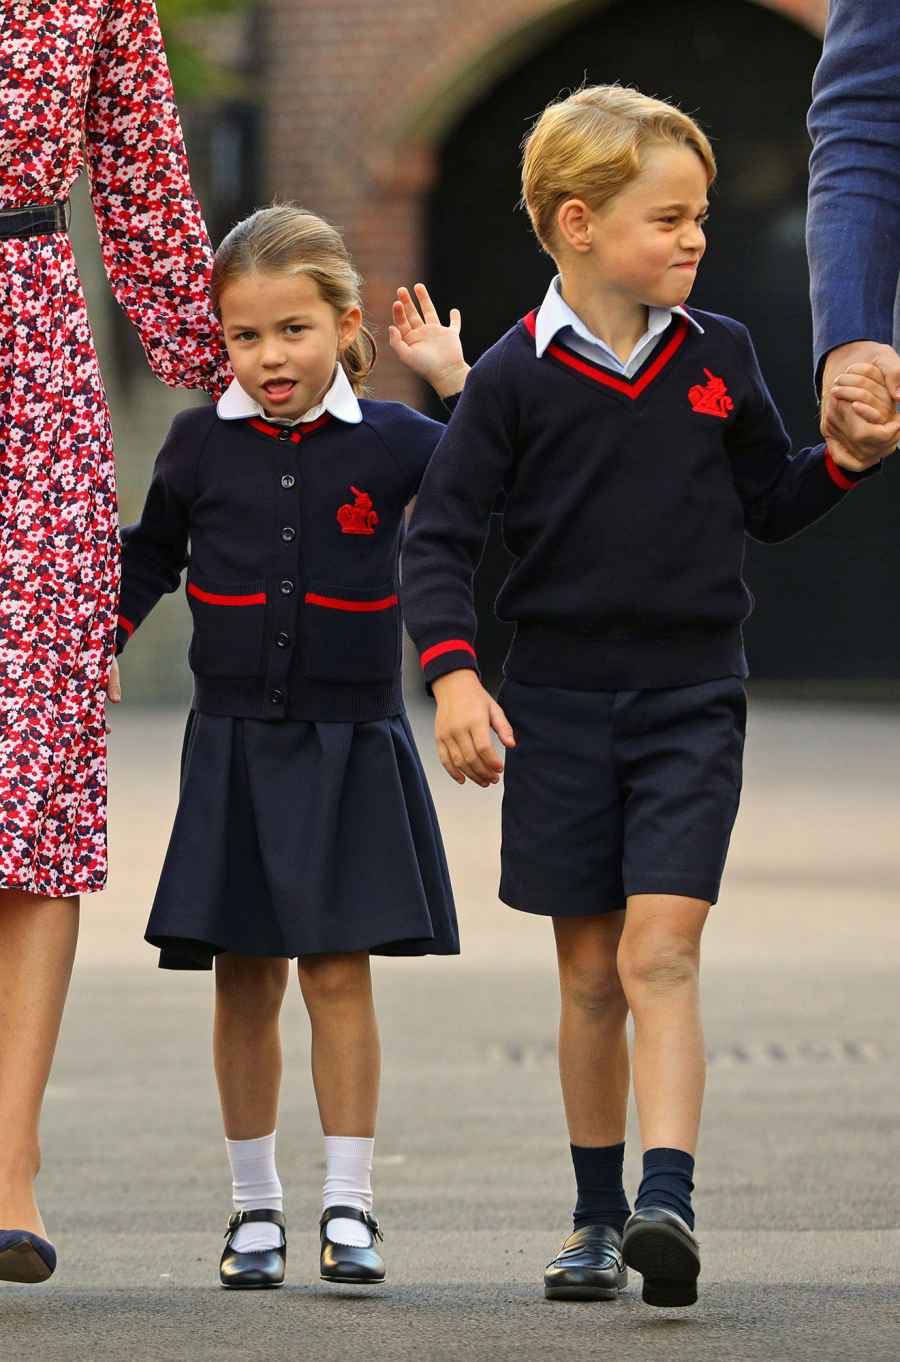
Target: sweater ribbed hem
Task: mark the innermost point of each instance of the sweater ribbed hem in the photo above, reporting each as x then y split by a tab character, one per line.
542	655
322	702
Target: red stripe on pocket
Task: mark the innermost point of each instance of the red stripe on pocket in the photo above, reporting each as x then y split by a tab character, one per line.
212	599
337	603
451	646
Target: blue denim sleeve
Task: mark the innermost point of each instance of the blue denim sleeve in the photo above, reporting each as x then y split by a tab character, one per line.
853	222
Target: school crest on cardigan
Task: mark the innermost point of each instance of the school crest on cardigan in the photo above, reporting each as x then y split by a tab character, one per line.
711	398
361	517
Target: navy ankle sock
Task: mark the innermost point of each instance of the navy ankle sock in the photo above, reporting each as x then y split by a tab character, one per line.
598	1176
667	1182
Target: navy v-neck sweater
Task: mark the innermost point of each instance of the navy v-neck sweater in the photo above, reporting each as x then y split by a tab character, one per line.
625	505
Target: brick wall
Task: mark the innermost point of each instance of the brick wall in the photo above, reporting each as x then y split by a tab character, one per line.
359	95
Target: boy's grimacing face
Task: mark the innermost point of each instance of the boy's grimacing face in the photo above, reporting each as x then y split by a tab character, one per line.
283	339
647	242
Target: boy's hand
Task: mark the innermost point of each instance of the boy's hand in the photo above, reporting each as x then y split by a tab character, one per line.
113	686
431	350
859	418
465	716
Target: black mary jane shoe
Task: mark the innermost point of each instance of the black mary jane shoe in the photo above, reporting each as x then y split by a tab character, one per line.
588	1267
345	1262
25	1257
658	1244
260	1268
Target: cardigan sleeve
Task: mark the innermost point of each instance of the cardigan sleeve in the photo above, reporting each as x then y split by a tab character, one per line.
155	548
152	235
450	523
782	492
853	220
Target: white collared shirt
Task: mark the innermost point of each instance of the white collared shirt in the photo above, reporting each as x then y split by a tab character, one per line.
556	318
236	405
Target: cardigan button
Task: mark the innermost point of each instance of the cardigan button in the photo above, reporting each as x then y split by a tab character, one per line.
288	534
277	697
287	481
282	639
284	435
287	587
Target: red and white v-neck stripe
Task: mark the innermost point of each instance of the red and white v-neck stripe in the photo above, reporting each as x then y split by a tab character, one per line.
599	374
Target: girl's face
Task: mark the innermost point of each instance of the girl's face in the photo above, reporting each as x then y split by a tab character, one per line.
283	339
647	242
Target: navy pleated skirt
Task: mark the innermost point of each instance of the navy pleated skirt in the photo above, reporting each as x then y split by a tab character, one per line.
297	838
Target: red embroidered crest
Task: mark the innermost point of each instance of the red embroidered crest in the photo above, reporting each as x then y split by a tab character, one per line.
361	517
711	398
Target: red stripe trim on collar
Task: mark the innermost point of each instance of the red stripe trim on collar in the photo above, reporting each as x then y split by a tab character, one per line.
599	374
297	433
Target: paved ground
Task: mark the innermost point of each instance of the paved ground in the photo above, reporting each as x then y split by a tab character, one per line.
798	1197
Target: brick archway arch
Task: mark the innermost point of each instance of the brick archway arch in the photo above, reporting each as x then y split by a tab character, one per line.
360	95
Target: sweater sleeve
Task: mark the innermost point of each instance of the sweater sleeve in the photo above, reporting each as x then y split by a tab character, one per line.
782	492
411	439
155	549
853	221
450	523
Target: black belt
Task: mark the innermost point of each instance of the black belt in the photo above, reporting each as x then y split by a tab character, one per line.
35	219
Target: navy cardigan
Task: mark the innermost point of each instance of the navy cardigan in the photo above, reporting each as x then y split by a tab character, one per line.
291	537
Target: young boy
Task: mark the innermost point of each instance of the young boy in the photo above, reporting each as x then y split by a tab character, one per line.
635	444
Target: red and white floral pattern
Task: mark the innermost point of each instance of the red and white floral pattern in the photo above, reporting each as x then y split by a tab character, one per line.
78	76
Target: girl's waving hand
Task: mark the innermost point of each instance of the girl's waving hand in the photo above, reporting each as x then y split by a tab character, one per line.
425	345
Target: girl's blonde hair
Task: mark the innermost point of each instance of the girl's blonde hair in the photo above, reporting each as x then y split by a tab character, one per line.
589	146
285	239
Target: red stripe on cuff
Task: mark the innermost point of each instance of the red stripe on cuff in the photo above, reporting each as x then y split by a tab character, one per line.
212	599
126	625
838	475
451	646
338	603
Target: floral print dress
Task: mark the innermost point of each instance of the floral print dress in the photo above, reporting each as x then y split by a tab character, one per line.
80	80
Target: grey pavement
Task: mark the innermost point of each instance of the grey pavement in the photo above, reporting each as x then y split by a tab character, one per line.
798	1198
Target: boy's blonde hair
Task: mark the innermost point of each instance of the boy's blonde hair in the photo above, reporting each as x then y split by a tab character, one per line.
285	239
589	145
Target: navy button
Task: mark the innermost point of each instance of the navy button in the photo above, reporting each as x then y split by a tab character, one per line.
288	534
287	587
284	434
282	639
277	696
287	480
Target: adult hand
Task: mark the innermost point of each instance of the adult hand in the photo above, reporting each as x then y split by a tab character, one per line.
113	686
466	714
861	418
852	434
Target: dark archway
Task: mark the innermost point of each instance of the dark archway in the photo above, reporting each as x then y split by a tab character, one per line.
745	71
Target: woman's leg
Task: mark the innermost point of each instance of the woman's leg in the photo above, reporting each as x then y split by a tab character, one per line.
247	1042
659	965
37	948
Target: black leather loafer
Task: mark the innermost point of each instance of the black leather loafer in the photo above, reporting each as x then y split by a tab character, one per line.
256	1270
658	1244
25	1257
344	1262
588	1267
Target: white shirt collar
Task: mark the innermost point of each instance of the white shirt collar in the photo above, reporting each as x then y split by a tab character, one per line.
555	314
236	405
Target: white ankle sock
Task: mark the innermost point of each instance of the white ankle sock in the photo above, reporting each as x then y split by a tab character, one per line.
348	1182
255	1186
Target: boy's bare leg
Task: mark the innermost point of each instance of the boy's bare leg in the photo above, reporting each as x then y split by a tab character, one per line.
593	1049
346	1052
37	948
659	965
247	1042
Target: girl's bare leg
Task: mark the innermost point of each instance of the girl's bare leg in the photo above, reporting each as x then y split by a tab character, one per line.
346	1052
247	1042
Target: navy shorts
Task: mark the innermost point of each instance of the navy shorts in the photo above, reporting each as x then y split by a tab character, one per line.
614	793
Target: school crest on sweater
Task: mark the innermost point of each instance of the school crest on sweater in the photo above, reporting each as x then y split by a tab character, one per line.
711	398
361	517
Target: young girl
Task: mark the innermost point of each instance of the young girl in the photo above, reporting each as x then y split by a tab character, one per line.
305	827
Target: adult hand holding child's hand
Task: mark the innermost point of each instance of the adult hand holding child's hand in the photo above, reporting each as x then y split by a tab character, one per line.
466	714
859	416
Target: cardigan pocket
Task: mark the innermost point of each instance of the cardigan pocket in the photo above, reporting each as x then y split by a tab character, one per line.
351	633
229	627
